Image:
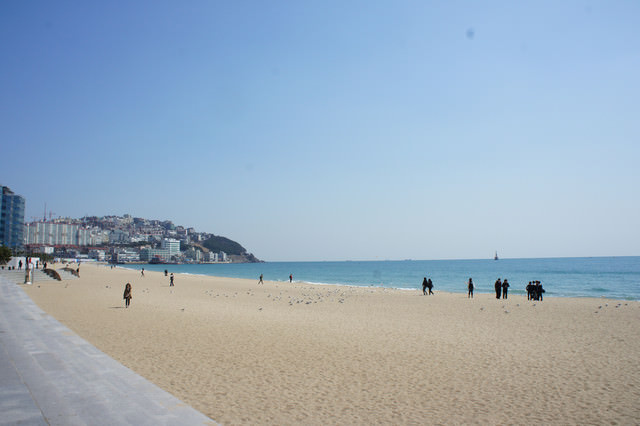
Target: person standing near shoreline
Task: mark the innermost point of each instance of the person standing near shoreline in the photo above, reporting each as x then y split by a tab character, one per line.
171	280
260	281
127	295
498	287
470	287
539	291
290	278
142	272
424	286
505	288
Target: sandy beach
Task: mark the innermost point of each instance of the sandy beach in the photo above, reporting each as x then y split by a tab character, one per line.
284	354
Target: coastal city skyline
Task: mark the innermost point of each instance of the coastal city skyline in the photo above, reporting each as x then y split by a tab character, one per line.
358	131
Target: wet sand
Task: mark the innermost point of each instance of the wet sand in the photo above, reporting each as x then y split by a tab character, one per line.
282	353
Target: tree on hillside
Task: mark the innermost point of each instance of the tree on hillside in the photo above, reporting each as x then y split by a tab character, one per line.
5	255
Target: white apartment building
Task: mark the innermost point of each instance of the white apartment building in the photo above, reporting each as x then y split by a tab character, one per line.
119	236
211	257
61	234
172	245
216	257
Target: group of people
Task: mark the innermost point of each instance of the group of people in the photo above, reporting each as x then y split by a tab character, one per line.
427	286
534	290
261	279
170	278
127	288
502	288
37	265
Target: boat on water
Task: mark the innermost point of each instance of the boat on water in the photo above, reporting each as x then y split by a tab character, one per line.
496	256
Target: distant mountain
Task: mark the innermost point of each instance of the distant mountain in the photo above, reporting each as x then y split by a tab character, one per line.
238	253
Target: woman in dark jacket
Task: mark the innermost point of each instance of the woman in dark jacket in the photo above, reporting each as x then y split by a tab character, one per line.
127	294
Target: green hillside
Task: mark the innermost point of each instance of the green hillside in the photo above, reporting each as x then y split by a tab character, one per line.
217	243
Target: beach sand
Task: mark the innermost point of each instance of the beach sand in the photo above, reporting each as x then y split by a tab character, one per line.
282	353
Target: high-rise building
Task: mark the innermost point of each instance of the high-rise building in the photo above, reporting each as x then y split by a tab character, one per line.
11	219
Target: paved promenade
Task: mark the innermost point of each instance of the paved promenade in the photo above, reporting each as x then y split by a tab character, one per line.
50	376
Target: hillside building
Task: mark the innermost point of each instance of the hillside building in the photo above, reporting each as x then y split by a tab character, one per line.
157	255
62	234
173	246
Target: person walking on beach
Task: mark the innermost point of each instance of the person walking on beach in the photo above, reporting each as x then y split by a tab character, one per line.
127	295
424	286
171	280
470	287
290	278
430	285
142	272
498	287
260	281
505	287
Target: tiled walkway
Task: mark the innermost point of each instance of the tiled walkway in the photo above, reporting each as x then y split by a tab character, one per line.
50	376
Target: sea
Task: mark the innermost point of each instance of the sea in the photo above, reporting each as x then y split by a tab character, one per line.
607	277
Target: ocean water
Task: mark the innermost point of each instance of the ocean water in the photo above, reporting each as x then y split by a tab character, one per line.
610	277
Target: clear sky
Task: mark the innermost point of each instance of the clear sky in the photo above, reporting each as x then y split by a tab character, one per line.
331	130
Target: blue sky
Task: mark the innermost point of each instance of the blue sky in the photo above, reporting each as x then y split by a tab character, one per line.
333	130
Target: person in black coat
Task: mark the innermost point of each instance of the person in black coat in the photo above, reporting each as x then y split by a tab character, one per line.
498	287
539	290
505	288
424	286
